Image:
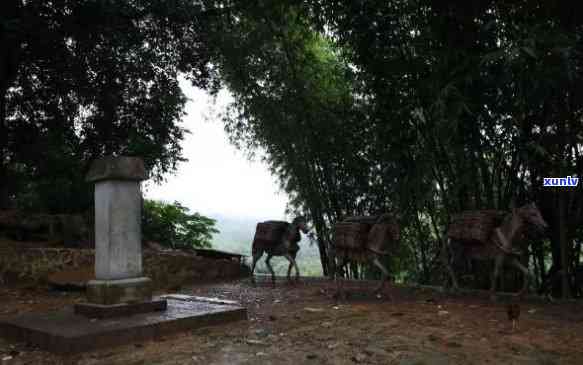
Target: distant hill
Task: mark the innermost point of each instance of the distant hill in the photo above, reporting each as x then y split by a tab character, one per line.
236	235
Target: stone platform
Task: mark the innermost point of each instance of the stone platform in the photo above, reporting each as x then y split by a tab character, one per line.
102	311
66	332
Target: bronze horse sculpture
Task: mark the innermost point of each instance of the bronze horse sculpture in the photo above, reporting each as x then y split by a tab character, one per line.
502	245
278	238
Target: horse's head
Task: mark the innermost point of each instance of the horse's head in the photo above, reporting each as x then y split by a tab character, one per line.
393	225
531	214
302	224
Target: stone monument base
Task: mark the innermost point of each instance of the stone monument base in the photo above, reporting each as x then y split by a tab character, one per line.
108	292
101	311
66	332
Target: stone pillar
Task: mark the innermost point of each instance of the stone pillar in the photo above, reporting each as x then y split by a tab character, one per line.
118	238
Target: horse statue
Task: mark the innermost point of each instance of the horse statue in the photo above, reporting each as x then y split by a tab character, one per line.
363	240
491	235
278	238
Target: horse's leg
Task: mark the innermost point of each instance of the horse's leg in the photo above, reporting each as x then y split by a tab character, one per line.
385	275
445	261
296	267
289	270
269	256
292	262
498	261
340	280
256	256
525	273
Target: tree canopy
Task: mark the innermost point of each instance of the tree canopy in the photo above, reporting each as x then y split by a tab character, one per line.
83	79
422	107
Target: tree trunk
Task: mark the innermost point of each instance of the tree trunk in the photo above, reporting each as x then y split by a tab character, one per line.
4	193
565	288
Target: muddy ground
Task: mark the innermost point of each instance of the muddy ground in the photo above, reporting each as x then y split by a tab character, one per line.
303	324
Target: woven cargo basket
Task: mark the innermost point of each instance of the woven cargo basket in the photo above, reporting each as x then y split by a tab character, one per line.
269	233
475	226
365	219
351	235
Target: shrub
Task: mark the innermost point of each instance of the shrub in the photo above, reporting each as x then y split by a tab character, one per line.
172	225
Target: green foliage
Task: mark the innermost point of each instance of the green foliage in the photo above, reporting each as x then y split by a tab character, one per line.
424	107
172	225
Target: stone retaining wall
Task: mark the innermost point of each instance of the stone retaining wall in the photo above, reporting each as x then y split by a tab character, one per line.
34	265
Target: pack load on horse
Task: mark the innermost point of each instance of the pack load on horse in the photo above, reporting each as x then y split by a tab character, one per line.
270	233
364	239
491	235
475	226
278	238
354	236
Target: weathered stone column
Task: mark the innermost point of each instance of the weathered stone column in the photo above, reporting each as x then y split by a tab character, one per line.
118	238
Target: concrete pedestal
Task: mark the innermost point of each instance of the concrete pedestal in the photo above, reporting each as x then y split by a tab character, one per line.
119	291
66	332
119	287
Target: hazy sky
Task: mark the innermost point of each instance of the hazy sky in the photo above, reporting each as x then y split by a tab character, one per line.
217	179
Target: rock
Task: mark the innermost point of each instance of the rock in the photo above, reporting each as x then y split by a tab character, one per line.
311	356
260	353
373	350
255	342
262	332
432	337
442	313
7	358
313	310
358	358
326	324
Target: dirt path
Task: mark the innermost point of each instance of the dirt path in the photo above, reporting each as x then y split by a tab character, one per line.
303	325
